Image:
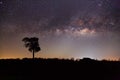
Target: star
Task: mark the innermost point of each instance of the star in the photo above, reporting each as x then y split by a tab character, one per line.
1	2
99	5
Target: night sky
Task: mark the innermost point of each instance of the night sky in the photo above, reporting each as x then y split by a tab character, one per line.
65	28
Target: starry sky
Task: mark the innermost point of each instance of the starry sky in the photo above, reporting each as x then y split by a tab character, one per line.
65	28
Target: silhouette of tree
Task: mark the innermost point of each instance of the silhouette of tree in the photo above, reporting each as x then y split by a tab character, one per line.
32	44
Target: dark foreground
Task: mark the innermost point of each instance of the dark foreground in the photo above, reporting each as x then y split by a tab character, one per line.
59	69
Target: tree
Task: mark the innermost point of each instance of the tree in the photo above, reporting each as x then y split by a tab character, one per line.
32	44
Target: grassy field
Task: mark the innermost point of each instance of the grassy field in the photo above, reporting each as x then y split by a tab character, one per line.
54	69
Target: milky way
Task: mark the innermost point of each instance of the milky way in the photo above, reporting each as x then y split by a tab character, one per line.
66	28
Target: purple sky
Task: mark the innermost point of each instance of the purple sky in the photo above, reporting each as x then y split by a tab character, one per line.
66	28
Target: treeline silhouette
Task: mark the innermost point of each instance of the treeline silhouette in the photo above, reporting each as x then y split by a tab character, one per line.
55	69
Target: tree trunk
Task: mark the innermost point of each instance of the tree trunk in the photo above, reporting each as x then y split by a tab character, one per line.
33	53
